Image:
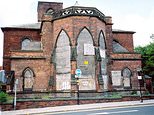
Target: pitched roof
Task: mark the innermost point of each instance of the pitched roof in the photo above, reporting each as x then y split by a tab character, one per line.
118	48
121	31
26	26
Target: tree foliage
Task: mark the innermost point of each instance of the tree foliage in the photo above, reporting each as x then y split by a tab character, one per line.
147	53
3	97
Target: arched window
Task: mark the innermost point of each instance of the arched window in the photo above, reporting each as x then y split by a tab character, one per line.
85	53
62	59
102	50
25	44
50	11
28	44
28	79
126	74
86	60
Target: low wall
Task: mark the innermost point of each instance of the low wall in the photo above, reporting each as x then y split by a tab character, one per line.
51	103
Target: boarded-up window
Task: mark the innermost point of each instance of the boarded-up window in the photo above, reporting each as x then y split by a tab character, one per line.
25	44
28	79
28	44
102	54
102	49
86	60
116	78
63	66
126	74
85	38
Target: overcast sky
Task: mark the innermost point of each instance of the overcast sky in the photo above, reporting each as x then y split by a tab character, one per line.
133	15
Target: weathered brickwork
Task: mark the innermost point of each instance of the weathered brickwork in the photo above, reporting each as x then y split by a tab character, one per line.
73	25
12	42
131	64
44	63
43	7
125	39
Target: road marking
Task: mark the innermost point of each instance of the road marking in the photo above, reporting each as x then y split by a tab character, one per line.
107	113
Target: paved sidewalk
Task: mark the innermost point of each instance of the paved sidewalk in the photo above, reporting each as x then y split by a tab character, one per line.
76	107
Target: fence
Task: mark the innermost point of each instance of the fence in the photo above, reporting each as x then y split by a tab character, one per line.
74	95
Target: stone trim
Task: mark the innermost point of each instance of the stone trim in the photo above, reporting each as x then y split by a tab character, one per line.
27	51
7	57
126	59
78	11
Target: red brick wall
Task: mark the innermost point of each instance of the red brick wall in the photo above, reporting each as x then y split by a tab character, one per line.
13	38
119	65
50	30
125	39
73	25
12	41
52	103
40	68
6	64
44	6
1	68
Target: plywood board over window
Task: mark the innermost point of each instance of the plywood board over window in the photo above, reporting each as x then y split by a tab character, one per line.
116	78
86	60
89	49
63	65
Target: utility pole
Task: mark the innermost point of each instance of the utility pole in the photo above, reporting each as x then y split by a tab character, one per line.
78	101
140	78
78	74
15	93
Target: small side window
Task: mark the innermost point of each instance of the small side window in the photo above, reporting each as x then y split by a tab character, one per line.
28	44
25	44
50	11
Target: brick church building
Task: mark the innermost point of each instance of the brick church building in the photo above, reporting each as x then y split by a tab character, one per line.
45	55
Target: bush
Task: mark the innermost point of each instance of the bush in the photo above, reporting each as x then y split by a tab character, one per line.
3	97
146	93
134	93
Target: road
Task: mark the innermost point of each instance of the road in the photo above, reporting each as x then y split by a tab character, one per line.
135	110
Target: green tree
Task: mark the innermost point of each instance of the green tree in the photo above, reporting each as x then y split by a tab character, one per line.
147	53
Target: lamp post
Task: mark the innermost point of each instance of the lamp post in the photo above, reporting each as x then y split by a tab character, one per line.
140	80
15	93
78	74
78	101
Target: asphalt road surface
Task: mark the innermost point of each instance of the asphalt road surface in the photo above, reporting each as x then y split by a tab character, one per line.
135	110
